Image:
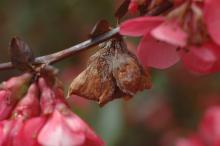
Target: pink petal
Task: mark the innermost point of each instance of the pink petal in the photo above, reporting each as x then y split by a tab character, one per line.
212	19
56	132
171	33
140	26
5	107
29	132
156	54
78	124
202	59
5	128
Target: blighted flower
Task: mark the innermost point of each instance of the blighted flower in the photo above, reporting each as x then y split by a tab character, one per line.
111	73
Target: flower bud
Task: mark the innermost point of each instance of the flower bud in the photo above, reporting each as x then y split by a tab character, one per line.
17	85
12	90
47	99
29	105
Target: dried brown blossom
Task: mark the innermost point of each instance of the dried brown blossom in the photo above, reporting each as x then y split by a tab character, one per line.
111	73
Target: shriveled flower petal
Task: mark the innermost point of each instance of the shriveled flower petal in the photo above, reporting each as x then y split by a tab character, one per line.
202	59
170	32
140	26
212	19
156	54
56	132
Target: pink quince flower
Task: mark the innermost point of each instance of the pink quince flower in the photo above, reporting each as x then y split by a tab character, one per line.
162	38
63	128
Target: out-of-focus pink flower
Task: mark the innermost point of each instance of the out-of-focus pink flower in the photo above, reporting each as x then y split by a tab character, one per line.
11	92
180	37
133	6
211	17
190	141
140	26
210	127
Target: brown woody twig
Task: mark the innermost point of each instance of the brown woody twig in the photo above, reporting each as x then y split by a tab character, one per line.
55	57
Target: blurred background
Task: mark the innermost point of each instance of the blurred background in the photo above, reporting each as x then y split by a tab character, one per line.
172	108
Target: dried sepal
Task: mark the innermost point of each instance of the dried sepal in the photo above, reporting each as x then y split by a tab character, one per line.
129	75
112	72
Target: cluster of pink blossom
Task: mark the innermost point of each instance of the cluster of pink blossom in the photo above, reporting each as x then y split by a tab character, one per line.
37	115
209	132
189	32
